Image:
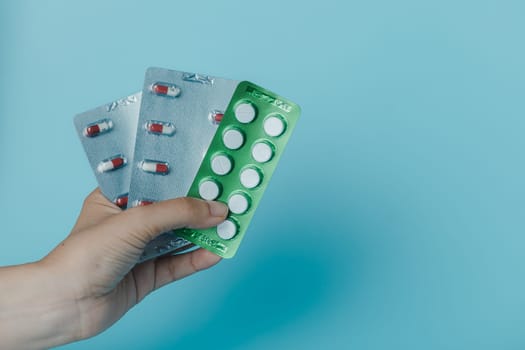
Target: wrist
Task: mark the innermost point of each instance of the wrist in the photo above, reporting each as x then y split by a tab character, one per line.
34	312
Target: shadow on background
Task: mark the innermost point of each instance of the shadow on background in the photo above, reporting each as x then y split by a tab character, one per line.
276	291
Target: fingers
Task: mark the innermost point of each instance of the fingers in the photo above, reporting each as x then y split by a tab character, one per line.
142	224
172	268
95	209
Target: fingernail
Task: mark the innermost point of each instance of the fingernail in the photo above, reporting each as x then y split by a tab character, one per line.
218	209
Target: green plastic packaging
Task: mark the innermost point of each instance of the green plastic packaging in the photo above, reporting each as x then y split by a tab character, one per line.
236	170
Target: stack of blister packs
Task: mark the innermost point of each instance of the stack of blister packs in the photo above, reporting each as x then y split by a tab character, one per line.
189	134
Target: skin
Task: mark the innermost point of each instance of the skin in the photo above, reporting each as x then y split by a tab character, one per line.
91	279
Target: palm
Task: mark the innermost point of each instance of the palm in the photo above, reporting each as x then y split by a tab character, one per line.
114	283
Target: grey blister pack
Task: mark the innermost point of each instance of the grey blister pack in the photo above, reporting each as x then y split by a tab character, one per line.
107	134
178	118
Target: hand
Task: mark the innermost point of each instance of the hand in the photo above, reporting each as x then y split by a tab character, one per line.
91	279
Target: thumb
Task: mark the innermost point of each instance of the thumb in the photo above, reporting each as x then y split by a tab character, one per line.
140	225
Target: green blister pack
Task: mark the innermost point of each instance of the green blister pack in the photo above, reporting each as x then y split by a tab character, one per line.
239	163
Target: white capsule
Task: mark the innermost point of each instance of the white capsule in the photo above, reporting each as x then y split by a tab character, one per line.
250	178
238	203
273	126
233	139
245	113
98	128
154	167
112	163
227	229
169	90
209	190
262	152
221	164
160	128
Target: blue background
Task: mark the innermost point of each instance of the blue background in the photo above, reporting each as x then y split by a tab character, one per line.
396	217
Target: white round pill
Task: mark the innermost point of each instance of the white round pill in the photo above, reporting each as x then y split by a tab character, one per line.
209	190
227	229
250	178
245	113
221	164
273	126
233	139
238	203
262	152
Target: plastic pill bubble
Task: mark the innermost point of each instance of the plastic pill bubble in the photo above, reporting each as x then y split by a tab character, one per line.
160	128
262	152
238	203
112	163
155	167
221	164
227	229
169	90
245	113
98	128
209	190
121	201
250	178
142	202
233	139
216	117
273	126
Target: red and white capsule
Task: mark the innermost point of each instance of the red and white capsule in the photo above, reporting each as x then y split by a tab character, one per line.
216	116
142	202
112	163
160	128
164	89
99	127
121	201
154	167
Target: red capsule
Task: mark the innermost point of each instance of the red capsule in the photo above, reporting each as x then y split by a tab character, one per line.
143	203
163	89
216	117
160	128
99	127
155	167
112	163
122	201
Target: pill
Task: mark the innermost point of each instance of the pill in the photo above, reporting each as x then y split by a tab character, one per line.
97	128
245	113
221	164
238	203
227	229
155	167
216	117
142	202
233	139
273	126
250	178
160	128
121	201
169	90
262	152
209	190
112	163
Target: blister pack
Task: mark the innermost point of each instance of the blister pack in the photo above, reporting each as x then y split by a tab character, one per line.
107	134
239	163
179	115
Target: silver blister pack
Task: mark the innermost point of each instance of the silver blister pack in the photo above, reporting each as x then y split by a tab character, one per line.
179	115
107	134
178	118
